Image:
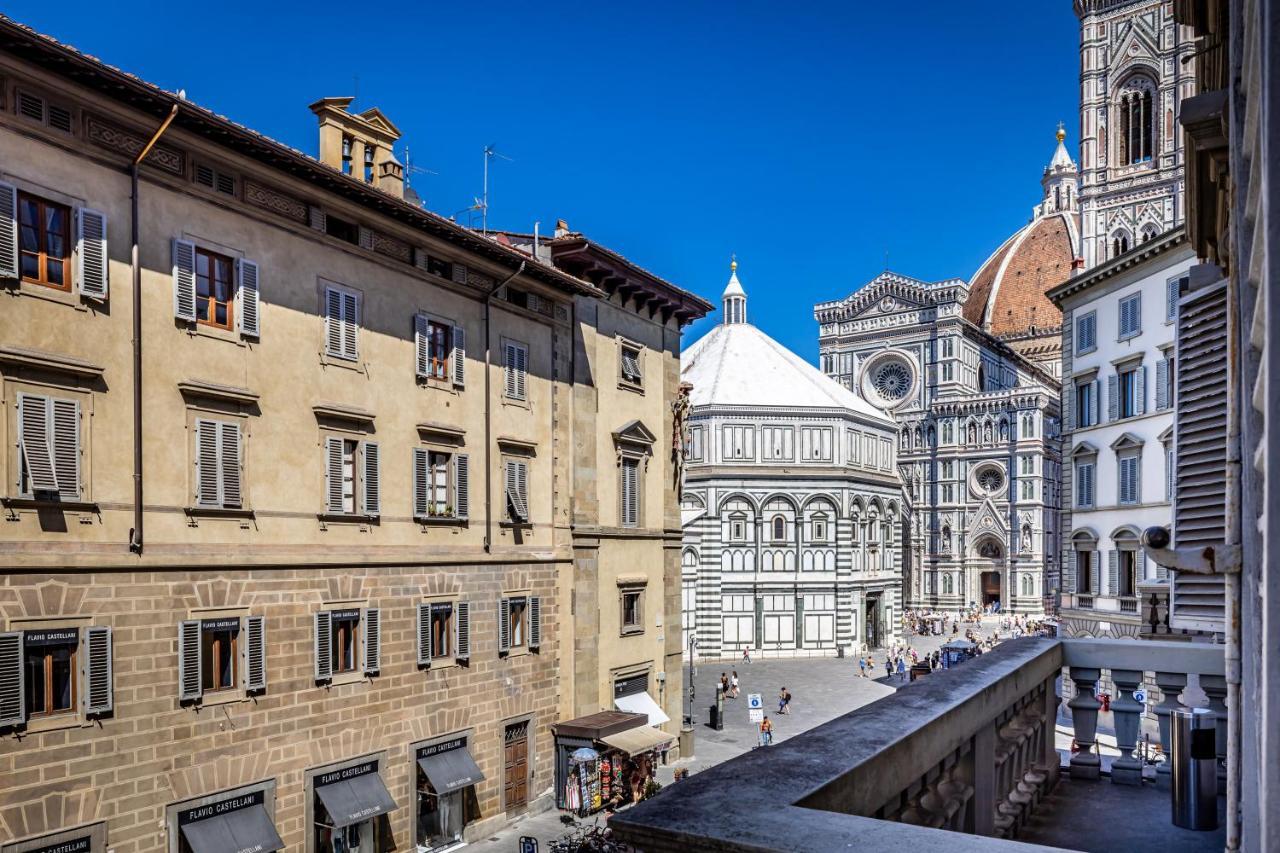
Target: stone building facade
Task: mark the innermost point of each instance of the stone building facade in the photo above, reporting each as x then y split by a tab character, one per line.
793	510
323	606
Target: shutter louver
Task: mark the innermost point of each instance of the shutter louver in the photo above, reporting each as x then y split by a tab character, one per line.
459	273
97	671
317	217
350	324
1113	572
1198	602
333	475
190	678
535	622
1140	389
462	486
207	474
504	625
1095	573
459	357
184	280
522	359
8	235
91	253
66	447
1113	397
424	634
372	625
255	653
247	298
1171	299
510	374
322	636
33	435
1069	408
462	621
372	480
229	464
365	237
422	358
421	480
13	697
333	322
1069	582
1162	384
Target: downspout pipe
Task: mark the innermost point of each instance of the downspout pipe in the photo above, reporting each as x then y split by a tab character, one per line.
135	535
488	411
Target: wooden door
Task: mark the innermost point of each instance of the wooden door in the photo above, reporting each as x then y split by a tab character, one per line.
516	766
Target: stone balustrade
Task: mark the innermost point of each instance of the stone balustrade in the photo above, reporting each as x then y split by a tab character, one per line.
958	760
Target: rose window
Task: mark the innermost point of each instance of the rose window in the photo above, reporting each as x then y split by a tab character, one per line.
892	380
990	480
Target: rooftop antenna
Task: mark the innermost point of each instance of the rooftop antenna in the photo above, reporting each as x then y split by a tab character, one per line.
489	153
410	170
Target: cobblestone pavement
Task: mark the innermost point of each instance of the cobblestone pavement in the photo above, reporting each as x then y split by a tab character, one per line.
821	689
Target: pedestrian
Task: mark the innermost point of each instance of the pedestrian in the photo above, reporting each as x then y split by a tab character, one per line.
733	685
746	655
888	667
766	732
724	685
902	669
786	701
782	701
862	666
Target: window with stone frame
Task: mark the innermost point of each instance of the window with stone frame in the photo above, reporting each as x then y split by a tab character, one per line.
629	365
631	601
44	241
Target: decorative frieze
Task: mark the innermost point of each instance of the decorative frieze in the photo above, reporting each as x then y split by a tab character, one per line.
275	201
130	144
392	248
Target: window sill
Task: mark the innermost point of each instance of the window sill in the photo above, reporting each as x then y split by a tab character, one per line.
215	333
44	503
344	518
516	525
352	364
631	386
516	653
631	632
54	723
516	402
220	697
340	678
49	293
218	512
440	521
441	663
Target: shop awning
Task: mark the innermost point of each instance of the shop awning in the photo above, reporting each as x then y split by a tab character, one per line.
358	798
452	770
638	740
642	703
245	829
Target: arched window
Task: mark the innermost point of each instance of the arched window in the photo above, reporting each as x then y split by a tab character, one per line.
779	528
1149	233
1136	139
1119	244
1028	586
948	585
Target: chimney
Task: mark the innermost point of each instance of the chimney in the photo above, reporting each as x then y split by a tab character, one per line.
359	145
562	228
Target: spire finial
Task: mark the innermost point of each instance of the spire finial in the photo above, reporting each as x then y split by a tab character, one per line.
733	262
1062	133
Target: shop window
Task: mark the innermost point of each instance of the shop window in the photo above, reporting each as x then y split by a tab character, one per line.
349	804
445	776
633	611
237	819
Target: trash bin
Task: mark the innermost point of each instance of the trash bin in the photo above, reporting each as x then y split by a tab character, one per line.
1194	759
717	719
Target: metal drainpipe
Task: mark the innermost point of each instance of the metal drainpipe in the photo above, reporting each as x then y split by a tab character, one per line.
135	535
488	413
1237	404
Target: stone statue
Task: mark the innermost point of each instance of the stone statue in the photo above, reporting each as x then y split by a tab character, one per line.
680	409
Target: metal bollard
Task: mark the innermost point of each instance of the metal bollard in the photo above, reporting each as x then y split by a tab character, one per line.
1194	768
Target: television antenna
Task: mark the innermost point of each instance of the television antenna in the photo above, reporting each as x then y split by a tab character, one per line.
409	171
483	202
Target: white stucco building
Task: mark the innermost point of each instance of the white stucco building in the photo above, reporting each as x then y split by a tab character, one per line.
792	505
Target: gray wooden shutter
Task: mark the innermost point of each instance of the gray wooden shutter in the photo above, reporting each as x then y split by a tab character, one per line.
317	217
372	479
630	488
333	474
333	322
459	273
9	250
371	623
365	236
1113	572
33	436
522	369
421	477
1069	582
350	325
207	479
522	489
1113	397
1162	384
65	417
247	298
323	643
97	671
229	464
1069	407
422	355
462	625
1097	402
13	697
462	486
535	622
1095	573
190	677
1140	389
184	279
504	625
1171	299
424	634
509	376
459	356
91	253
255	653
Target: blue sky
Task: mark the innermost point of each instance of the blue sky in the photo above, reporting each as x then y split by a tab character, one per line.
809	138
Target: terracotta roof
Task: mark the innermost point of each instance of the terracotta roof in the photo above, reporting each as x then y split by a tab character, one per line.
1007	295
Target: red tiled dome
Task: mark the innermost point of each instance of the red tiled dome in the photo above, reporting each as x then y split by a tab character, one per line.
1007	294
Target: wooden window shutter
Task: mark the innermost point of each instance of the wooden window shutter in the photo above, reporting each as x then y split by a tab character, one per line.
333	322
1069	407
424	634
522	370
255	659
333	474
13	697
65	417
184	279
350	325
459	273
372	482
421	477
247	298
323	641
91	253
462	486
1140	389
459	356
97	671
1069	582
33	436
9	237
462	625
229	464
1113	572
208	476
1171	299
509	376
504	625
317	218
422	357
366	237
190	677
372	625
1095	572
1162	384
535	622
630	492
1113	397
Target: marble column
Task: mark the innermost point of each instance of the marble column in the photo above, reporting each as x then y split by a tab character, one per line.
1126	770
1085	764
1171	685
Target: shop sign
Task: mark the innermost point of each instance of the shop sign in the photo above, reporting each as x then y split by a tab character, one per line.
74	845
346	773
50	637
224	623
234	804
347	613
443	746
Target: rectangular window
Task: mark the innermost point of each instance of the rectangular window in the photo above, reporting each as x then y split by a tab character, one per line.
439	347
49	447
1128	573
44	232
349	475
49	657
342	321
693	451
815	444
217	464
515	370
517	490
1130	389
1130	316
346	231
1084	484
1086	404
738	630
352	477
215	289
1086	332
1028	490
518	622
441	630
948	493
219	657
1129	477
629	367
632	611
1084	571
629	503
739	442
776	443
344	648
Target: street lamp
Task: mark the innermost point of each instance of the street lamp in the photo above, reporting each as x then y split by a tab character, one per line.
693	643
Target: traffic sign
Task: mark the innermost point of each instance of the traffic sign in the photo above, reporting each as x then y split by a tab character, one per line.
754	701
528	844
1140	696
756	715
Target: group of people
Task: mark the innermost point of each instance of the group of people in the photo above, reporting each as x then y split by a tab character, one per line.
728	685
896	662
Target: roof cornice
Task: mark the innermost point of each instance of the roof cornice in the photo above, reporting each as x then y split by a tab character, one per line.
1139	254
